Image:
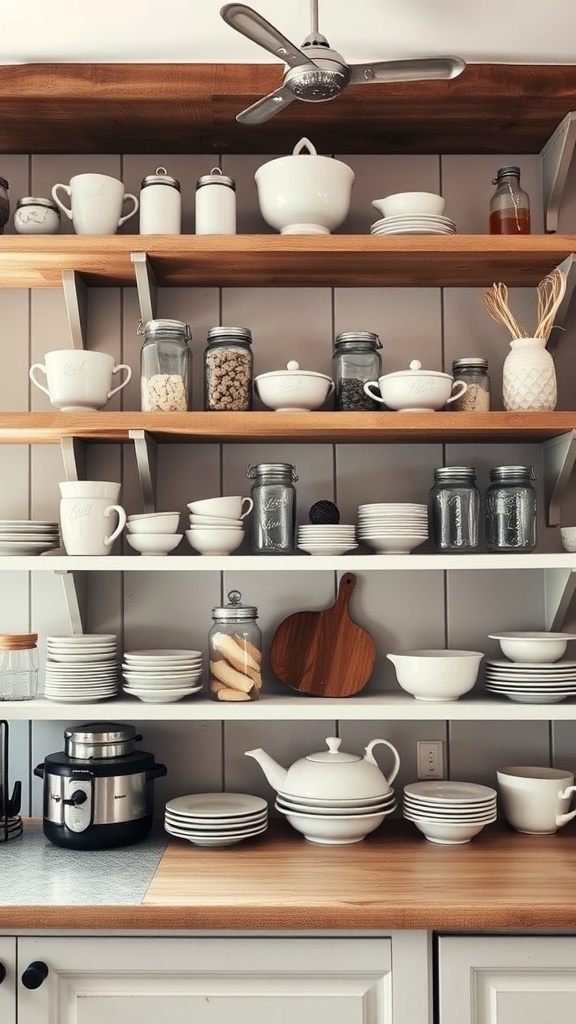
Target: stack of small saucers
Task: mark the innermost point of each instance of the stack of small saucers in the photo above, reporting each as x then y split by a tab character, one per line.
332	822
81	669
413	224
327	539
531	682
449	813
28	537
162	676
216	819
393	528
153	533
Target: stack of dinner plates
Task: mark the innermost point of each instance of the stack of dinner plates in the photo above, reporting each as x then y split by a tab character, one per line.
393	528
81	669
327	539
449	813
216	819
531	682
413	224
28	537
162	675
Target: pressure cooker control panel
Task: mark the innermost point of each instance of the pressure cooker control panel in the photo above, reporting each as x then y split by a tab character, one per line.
77	800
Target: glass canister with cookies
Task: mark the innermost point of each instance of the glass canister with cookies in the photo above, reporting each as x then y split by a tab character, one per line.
235	651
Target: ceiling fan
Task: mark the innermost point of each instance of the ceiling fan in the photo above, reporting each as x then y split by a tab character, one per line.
315	71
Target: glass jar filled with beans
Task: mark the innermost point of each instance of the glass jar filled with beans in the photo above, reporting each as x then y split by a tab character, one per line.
228	370
166	366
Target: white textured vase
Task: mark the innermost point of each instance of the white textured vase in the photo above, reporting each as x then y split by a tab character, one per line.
529	377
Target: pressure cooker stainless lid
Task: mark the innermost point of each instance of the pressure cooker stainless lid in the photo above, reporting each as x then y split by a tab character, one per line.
100	740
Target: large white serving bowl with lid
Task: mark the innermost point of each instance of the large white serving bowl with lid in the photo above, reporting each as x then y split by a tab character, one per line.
436	675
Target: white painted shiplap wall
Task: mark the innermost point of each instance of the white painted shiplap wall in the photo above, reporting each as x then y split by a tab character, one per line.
401	610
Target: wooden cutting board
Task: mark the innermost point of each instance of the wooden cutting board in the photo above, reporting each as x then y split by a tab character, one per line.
324	653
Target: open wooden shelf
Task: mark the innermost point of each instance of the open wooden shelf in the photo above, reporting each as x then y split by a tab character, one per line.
348	261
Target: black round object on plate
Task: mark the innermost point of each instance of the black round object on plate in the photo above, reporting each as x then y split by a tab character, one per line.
324	513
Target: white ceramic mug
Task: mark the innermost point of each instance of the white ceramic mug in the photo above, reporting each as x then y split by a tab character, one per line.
79	380
535	800
84	525
96	203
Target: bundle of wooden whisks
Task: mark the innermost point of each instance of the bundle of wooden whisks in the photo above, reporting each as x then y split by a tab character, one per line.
550	292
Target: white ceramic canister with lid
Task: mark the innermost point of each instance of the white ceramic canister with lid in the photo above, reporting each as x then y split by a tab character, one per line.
36	216
215	204
160	204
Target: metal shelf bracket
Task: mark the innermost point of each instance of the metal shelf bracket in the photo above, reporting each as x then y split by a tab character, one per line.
74	457
559	455
71	599
146	459
76	299
145	285
559	587
555	159
568	267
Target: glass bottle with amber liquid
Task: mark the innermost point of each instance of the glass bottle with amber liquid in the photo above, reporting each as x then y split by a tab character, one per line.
510	204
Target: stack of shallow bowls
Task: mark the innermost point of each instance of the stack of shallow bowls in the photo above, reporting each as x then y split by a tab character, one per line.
82	668
216	819
331	822
393	528
449	813
326	538
412	213
153	533
535	673
162	676
217	524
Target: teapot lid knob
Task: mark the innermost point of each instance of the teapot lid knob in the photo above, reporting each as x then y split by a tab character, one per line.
415	364
333	743
293	365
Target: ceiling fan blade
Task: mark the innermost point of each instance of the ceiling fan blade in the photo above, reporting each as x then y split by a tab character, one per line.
413	70
265	108
252	25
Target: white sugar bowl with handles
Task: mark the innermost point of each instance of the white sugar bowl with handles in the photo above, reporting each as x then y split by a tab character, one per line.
415	389
331	774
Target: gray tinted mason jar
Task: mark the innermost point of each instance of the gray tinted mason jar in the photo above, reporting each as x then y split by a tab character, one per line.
356	359
273	519
454	509
511	509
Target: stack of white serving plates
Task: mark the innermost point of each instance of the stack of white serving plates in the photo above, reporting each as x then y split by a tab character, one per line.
393	528
413	224
449	813
162	676
531	682
28	537
216	819
330	822
327	539
82	668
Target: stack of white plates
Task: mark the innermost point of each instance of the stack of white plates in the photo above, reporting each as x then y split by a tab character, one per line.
162	676
216	819
81	669
326	539
28	537
449	813
335	822
414	224
532	682
393	528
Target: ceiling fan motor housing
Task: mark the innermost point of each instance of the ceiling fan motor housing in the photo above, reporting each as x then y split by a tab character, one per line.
324	81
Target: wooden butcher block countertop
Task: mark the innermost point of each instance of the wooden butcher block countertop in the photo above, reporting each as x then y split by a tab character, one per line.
394	879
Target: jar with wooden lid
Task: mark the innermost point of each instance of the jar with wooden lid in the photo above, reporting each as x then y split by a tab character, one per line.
235	651
18	666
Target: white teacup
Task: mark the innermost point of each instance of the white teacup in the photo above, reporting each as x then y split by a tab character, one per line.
90	489
96	203
84	525
229	507
79	380
536	800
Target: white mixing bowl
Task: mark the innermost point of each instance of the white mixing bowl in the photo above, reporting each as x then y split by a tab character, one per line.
293	388
436	675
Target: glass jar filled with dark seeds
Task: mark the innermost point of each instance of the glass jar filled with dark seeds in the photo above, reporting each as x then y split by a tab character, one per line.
356	359
228	370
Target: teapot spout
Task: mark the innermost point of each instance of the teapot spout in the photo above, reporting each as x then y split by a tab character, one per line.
273	771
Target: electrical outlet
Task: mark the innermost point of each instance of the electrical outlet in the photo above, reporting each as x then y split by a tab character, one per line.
430	756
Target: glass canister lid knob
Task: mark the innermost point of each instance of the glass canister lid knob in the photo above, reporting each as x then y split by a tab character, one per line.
235	609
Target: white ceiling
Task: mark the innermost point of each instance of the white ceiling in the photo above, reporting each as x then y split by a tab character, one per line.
192	31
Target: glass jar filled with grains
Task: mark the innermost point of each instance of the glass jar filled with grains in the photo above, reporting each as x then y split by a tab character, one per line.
474	371
228	370
356	359
166	366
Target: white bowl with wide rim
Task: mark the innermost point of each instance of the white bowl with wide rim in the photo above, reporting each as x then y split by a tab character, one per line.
293	389
436	675
411	203
521	646
214	541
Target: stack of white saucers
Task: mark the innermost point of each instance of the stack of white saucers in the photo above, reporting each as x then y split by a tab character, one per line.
413	224
81	669
162	676
326	539
28	537
393	528
216	819
330	822
449	813
531	682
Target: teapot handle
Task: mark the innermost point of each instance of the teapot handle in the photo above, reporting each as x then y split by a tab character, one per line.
395	767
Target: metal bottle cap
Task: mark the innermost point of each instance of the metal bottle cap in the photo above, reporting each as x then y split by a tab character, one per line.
216	177
362	337
474	362
235	609
230	333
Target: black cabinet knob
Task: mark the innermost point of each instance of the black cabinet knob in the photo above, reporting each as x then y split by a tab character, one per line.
2	973
34	974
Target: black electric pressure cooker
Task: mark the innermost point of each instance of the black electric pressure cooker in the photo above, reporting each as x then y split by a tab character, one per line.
98	791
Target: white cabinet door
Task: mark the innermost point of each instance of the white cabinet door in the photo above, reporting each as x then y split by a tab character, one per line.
7	980
507	980
208	981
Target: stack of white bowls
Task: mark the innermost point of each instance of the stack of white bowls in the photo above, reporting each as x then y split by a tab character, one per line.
333	822
216	819
81	668
217	524
327	538
412	213
153	533
393	528
449	813
162	676
535	673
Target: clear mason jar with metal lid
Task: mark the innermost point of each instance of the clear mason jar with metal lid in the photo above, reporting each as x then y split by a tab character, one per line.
160	204
473	370
273	520
18	666
454	509
228	370
511	509
36	216
356	359
215	204
166	366
235	651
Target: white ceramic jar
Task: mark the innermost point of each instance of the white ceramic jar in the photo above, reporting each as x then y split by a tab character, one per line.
160	204
36	216
215	204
